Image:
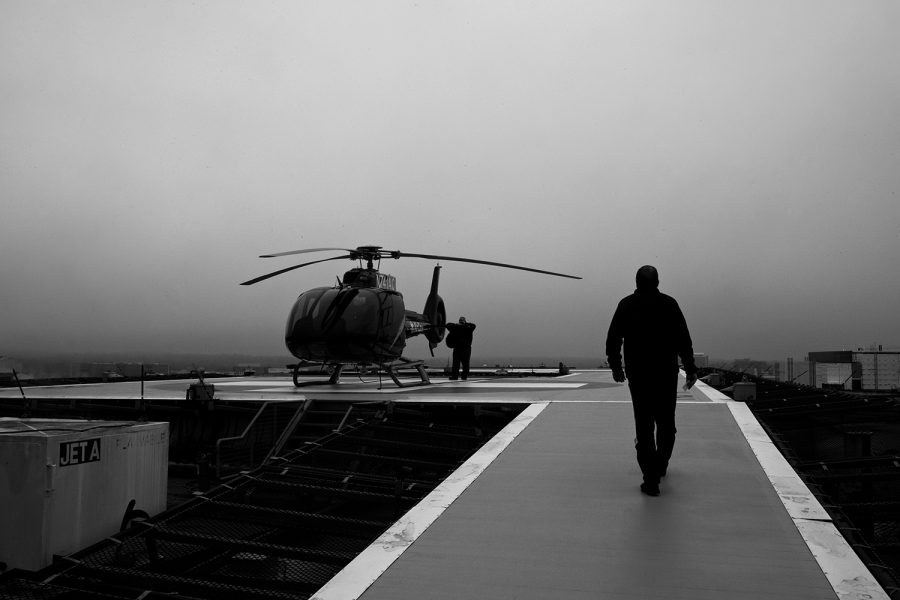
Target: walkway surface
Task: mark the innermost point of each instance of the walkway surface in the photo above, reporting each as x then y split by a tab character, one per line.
550	508
557	513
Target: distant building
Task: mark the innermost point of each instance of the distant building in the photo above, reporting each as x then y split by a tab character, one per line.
701	360
247	369
872	370
7	366
120	369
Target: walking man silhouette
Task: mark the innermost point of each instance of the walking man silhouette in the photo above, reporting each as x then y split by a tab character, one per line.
655	335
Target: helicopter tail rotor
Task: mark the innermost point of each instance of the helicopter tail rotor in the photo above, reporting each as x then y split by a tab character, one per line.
435	313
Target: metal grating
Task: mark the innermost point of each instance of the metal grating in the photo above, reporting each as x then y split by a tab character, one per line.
284	529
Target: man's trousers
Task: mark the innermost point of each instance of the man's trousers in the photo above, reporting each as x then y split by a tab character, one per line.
461	358
653	398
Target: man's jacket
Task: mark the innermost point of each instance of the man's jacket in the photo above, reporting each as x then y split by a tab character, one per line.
654	332
461	334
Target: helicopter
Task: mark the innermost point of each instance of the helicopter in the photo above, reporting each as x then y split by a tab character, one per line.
362	318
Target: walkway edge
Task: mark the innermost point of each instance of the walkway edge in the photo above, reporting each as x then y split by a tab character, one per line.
362	571
848	576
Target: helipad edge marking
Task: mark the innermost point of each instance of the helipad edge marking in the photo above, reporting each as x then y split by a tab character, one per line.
848	576
368	566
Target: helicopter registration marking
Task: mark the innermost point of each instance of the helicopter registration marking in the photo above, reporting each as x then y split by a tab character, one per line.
414	328
387	282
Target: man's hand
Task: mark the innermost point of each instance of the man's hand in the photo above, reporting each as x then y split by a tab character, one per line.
690	380
618	375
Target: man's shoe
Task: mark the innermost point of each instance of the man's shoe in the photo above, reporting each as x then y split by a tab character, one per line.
651	489
661	468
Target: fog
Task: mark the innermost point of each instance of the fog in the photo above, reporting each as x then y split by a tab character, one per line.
152	150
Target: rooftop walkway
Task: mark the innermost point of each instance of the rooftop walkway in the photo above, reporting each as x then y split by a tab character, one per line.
551	509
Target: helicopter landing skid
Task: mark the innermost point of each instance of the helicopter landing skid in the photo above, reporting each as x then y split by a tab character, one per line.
332	379
418	365
391	368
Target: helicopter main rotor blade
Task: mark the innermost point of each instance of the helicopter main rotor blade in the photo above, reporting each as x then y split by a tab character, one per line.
280	271
481	262
304	251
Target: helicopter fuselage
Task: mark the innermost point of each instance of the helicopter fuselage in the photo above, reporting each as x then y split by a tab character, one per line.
361	320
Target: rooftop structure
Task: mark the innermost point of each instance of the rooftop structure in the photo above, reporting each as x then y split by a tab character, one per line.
545	505
872	370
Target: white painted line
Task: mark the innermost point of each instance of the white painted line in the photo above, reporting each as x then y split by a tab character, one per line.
799	501
519	384
447	398
363	570
389	388
342	390
355	386
274	383
602	401
706	392
844	570
467	399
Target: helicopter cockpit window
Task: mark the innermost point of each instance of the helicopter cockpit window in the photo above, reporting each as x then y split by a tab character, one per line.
333	309
362	307
308	303
361	313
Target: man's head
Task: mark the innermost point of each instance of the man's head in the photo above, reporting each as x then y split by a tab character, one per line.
462	320
647	278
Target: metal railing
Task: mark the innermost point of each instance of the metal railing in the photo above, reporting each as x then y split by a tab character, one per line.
264	437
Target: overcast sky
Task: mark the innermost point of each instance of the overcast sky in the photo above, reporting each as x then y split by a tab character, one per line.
152	150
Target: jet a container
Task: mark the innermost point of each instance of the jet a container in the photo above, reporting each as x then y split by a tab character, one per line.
66	484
